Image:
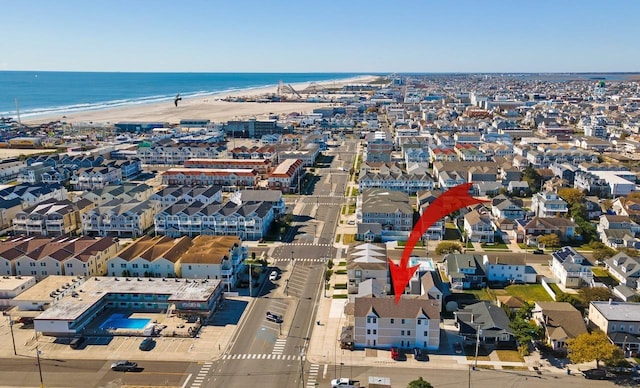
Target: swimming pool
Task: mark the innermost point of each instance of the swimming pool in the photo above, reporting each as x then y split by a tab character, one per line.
119	321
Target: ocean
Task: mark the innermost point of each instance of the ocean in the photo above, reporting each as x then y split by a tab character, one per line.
55	93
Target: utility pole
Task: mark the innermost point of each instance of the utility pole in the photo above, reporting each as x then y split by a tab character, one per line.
250	281
13	339
39	367
475	363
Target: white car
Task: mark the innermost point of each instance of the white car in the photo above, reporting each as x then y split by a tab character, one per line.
344	382
273	275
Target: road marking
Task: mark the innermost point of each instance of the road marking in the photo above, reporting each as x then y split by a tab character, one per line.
324	374
313	375
187	380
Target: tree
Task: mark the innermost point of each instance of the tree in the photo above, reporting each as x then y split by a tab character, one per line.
446	247
330	264
327	275
592	346
571	195
549	240
590	294
606	204
419	383
532	177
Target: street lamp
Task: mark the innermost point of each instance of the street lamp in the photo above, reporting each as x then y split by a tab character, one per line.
250	281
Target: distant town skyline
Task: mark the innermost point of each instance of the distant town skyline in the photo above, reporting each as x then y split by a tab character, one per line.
354	36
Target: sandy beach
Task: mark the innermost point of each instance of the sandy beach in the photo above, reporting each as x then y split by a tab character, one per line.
209	107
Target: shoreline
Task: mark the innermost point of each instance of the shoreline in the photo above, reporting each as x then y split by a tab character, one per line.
203	106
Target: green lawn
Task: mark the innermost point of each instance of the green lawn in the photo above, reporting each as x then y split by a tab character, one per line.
526	292
480	294
494	246
509	355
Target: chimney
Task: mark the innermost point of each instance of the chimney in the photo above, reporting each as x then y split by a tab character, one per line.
471	318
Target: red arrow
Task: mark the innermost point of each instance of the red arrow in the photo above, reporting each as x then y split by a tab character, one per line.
450	201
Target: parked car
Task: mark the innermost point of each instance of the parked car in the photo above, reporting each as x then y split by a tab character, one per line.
420	354
395	354
538	252
597	374
274	317
124	366
273	275
76	342
344	382
147	344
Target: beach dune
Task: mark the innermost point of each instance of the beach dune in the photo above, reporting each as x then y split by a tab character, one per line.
209	107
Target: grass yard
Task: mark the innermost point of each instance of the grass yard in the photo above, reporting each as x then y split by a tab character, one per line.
338	236
526	292
509	355
480	294
600	272
348	238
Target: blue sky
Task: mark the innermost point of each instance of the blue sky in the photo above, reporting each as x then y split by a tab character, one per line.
321	36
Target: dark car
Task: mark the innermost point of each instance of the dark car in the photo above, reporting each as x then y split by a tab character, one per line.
538	252
597	374
420	354
124	366
457	347
76	343
147	344
274	317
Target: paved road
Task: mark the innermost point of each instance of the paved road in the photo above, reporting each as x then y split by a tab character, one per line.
23	372
481	378
265	351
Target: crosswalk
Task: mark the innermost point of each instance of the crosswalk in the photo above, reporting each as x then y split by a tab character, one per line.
313	375
315	260
204	371
278	348
258	356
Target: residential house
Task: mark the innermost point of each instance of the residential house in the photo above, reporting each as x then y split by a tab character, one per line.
627	207
307	155
51	218
126	191
172	194
571	269
485	323
231	178
9	209
80	256
175	155
561	322
250	221
214	257
150	257
34	194
529	230
409	183
508	270
479	227
548	204
381	323
271	197
465	271
437	229
367	261
625	269
286	176
503	207
95	177
16	247
119	217
620	321
389	208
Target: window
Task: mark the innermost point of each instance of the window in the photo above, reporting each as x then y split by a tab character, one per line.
426	333
419	321
391	321
613	327
408	332
43	264
112	265
69	265
145	265
401	332
375	331
123	266
134	265
402	321
368	331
